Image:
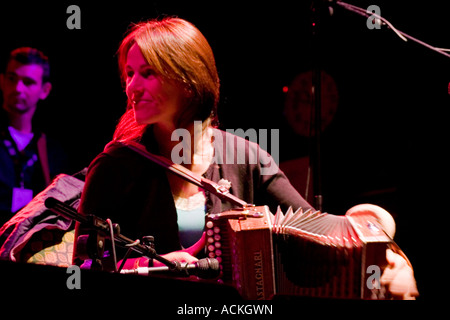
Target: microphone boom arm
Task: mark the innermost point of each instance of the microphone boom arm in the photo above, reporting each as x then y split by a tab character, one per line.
103	228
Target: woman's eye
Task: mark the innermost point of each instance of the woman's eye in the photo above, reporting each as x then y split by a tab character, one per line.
147	73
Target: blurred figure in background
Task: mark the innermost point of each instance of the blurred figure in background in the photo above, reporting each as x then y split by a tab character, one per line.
28	159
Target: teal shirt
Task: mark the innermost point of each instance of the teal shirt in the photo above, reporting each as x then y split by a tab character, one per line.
191	223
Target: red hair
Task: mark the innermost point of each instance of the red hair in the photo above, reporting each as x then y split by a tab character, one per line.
177	51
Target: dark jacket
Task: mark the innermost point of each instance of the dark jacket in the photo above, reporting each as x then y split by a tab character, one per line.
11	168
135	193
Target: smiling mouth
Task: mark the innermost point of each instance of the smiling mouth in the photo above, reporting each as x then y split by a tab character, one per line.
136	102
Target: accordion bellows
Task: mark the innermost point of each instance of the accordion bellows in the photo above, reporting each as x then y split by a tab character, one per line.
310	254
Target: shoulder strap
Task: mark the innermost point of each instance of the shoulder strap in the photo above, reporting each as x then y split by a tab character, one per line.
216	189
43	157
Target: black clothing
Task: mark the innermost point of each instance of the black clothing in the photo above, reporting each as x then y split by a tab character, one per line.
135	193
25	167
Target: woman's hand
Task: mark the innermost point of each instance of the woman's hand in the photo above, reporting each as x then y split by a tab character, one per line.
398	277
186	255
180	256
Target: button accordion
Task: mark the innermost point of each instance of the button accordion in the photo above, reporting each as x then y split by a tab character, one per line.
311	254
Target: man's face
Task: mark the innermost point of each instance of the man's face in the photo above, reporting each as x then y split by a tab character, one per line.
22	87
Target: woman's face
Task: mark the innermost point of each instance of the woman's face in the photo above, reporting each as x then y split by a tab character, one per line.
155	100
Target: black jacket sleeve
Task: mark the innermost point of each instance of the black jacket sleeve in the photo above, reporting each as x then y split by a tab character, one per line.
133	192
254	175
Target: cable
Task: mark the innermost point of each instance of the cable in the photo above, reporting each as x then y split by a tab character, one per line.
127	254
111	231
399	33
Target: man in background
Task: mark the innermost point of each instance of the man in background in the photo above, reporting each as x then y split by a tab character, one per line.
28	159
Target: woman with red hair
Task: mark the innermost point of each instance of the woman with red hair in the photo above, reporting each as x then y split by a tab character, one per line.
170	78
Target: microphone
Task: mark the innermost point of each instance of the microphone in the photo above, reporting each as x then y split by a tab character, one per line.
207	268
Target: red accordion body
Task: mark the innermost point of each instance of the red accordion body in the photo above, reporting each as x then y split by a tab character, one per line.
299	253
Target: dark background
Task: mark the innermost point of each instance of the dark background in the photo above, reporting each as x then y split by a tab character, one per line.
386	144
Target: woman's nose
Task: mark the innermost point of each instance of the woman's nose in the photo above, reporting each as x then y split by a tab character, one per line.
134	88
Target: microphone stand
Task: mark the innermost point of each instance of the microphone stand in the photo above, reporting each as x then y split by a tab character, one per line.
105	229
94	243
316	114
